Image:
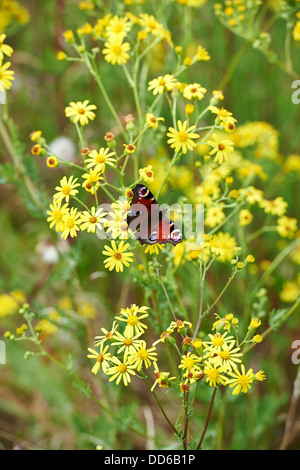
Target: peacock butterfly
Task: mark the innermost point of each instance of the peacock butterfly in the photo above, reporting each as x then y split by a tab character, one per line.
147	220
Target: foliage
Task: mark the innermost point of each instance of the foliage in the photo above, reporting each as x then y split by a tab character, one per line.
115	344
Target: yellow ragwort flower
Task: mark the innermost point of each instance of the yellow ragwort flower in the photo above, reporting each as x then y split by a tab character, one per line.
162	83
66	189
116	51
95	219
241	380
102	357
117	256
122	370
81	112
71	221
98	159
194	92
182	139
56	213
221	149
147	174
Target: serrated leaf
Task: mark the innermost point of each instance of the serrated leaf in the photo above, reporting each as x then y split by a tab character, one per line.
277	317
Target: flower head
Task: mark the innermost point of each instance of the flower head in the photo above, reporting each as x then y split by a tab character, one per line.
221	149
255	323
223	245
52	161
296	31
153	249
128	343
180	325
71	223
129	148
150	25
116	51
228	356
132	317
66	189
223	115
92	180
118	27
107	335
202	54
116	224
162	83
194	92
218	341
286	226
102	357
56	213
275	206
245	217
143	357
95	219
117	256
81	112
162	379
147	174
190	362
214	216
121	370
184	138
240	380
98	159
214	375
153	121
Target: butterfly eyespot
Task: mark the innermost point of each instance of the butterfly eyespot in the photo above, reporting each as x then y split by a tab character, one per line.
142	191
176	235
152	236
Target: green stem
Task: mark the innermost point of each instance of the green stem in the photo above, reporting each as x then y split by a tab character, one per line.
279	258
18	163
235	60
287	47
171	164
261	230
82	203
166	294
221	293
107	193
79	130
186	424
93	69
159	405
207	418
201	303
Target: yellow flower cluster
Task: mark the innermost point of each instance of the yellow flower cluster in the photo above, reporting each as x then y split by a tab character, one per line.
11	302
218	360
12	11
130	352
114	30
237	13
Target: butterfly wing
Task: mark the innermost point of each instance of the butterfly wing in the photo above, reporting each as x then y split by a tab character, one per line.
151	226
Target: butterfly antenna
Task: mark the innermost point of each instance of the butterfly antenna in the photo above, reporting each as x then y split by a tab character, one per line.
170	192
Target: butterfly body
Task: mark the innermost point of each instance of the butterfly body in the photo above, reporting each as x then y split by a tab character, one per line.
148	221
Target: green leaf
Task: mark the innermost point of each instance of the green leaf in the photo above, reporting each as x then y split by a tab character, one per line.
277	317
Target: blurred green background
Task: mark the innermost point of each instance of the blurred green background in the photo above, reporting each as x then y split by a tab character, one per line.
40	407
